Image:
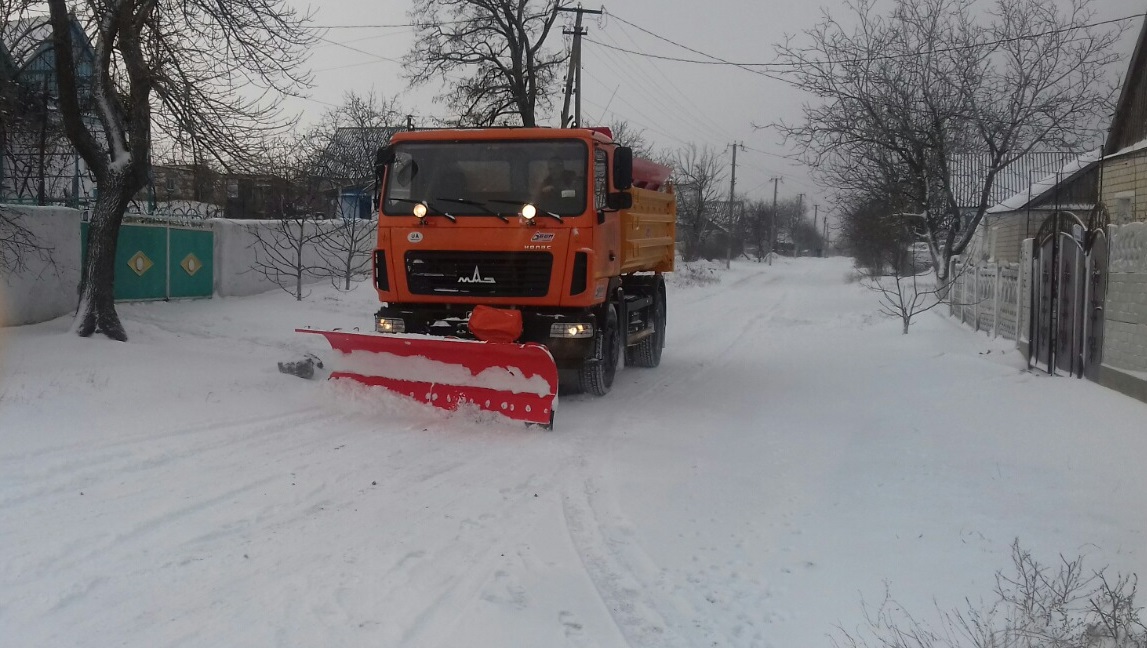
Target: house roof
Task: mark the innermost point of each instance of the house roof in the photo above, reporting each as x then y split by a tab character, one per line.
1127	125
25	39
1046	185
968	172
352	149
27	45
7	66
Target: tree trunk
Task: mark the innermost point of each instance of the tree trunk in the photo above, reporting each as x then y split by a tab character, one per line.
96	312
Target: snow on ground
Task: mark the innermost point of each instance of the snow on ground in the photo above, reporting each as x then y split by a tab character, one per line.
791	455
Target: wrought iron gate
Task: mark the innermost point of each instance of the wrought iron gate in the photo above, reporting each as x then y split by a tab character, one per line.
1069	277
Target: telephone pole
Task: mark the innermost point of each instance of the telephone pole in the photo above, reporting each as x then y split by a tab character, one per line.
815	213
573	75
773	222
729	219
793	224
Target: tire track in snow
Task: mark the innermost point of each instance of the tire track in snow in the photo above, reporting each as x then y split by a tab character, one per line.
127	484
626	579
72	468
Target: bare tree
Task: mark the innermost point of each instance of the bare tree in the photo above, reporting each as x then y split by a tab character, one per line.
346	250
491	55
628	135
870	233
343	143
804	235
18	243
185	70
906	292
699	175
759	220
902	96
287	251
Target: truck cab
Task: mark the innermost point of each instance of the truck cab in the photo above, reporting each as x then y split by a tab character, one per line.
561	225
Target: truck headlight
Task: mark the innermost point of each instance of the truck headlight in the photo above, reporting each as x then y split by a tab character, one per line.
572	330
529	211
420	210
389	325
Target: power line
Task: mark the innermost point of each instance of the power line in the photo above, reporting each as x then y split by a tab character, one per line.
633	80
696	113
645	85
716	60
360	51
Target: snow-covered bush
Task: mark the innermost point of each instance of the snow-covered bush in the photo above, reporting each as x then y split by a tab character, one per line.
695	273
1034	606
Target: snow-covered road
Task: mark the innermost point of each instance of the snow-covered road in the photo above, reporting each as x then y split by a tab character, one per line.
791	454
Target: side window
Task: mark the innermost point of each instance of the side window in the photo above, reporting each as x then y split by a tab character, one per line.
599	182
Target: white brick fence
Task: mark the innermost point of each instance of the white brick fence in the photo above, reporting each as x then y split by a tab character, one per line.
988	297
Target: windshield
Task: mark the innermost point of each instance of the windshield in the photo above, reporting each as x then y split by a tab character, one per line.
487	178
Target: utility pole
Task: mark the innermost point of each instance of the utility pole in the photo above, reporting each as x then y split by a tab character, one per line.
793	224
815	213
773	222
573	76
729	219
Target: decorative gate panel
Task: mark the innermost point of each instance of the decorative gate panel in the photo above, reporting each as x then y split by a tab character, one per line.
161	262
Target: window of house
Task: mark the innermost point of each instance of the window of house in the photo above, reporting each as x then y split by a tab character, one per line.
1123	209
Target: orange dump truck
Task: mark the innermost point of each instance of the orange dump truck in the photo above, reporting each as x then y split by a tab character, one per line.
545	245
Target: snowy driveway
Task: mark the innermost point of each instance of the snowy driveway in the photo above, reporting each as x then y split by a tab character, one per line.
792	453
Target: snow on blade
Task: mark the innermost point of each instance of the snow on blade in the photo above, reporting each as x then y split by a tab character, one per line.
421	369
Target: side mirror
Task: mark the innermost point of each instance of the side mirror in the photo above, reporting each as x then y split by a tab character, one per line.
618	200
382	157
622	168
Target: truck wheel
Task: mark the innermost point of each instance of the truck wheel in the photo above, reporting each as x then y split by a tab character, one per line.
597	376
647	353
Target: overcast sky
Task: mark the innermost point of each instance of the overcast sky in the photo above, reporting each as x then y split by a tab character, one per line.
674	102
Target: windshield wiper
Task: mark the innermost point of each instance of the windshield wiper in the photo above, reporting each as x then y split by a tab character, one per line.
478	204
437	212
552	215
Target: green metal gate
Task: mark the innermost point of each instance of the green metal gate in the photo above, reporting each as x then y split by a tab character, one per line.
161	261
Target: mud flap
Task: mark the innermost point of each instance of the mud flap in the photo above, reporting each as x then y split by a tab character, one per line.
519	381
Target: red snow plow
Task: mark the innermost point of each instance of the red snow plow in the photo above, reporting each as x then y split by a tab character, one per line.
518	381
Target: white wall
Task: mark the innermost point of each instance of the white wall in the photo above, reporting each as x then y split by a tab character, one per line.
235	256
48	286
47	290
1125	311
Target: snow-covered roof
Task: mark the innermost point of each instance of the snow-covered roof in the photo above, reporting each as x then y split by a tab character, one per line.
1047	183
1138	146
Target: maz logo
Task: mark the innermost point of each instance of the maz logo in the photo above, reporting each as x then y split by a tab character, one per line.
476	278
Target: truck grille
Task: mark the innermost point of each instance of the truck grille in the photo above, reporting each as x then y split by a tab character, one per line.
488	274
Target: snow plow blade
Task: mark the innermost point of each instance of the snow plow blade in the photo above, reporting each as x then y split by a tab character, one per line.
518	381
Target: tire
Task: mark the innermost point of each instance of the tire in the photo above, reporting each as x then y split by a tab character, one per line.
596	377
647	353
